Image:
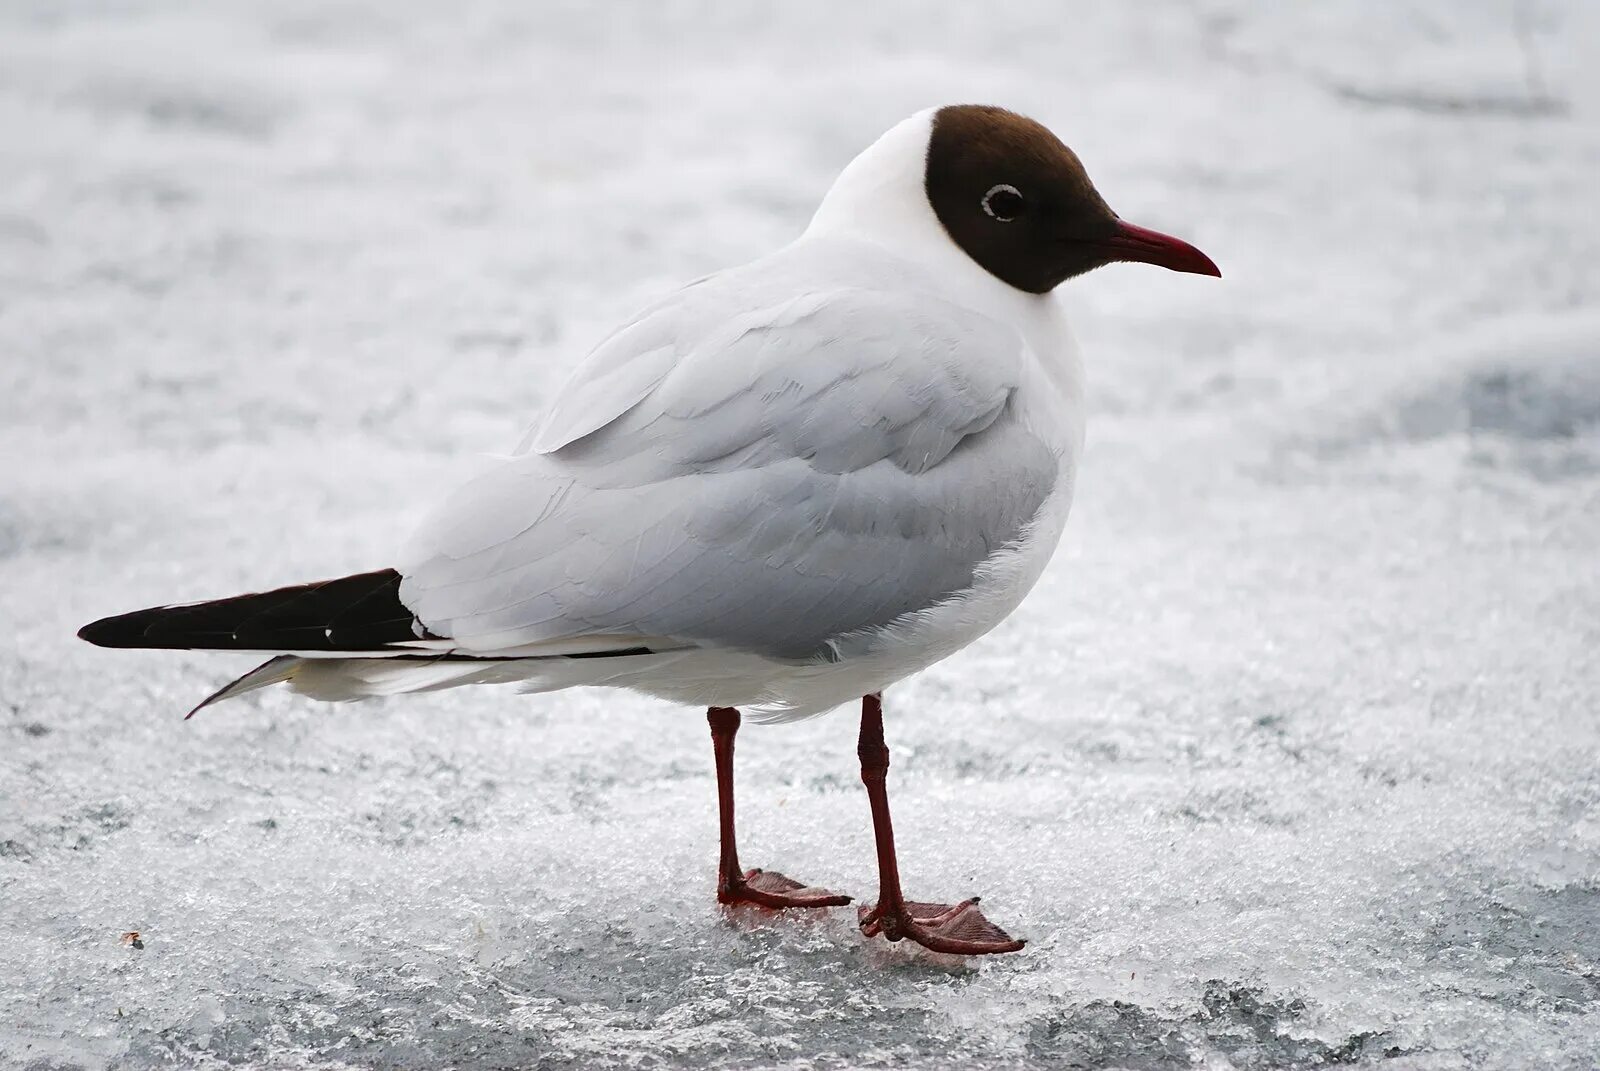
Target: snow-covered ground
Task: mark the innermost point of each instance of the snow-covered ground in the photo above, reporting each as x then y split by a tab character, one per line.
1292	758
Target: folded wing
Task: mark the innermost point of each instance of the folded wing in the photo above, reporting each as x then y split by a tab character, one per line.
817	466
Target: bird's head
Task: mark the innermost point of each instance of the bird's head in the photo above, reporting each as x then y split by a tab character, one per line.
1005	190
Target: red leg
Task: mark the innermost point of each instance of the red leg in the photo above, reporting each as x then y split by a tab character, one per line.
958	929
765	888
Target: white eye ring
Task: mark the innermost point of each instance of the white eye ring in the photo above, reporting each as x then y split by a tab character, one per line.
1004	187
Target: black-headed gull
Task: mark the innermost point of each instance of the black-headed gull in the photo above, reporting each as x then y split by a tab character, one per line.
782	488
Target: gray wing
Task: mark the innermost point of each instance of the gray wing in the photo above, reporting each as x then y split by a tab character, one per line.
820	465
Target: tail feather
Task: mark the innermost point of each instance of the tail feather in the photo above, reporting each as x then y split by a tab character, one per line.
340	679
352	613
272	671
344	679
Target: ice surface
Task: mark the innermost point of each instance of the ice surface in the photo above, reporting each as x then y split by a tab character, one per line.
1292	759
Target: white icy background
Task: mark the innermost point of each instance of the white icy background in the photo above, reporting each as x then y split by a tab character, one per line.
1292	758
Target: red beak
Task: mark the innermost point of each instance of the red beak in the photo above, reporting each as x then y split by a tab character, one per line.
1132	243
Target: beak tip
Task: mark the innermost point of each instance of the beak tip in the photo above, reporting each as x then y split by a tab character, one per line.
1153	247
1194	263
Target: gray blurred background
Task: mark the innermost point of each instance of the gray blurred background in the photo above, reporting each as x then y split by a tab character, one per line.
1293	757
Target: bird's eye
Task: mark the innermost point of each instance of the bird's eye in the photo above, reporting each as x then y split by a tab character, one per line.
1003	202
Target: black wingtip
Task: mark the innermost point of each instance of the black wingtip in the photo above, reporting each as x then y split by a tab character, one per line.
118	631
351	613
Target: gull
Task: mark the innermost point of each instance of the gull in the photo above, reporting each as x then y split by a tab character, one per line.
780	489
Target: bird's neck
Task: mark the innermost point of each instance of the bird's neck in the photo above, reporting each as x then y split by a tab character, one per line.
880	199
879	196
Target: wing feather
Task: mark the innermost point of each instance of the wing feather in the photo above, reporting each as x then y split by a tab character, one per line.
819	465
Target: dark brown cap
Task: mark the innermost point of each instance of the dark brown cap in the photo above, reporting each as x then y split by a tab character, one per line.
1018	202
